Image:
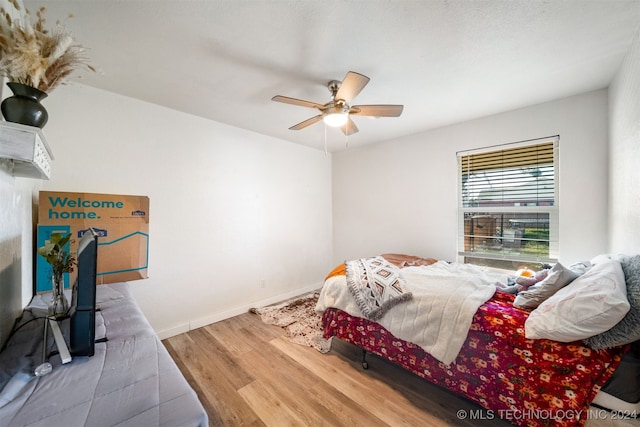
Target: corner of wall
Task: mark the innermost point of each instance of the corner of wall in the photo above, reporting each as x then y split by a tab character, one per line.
624	154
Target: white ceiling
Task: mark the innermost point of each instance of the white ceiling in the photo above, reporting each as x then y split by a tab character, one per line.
447	61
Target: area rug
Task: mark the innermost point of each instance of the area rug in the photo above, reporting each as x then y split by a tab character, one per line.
299	319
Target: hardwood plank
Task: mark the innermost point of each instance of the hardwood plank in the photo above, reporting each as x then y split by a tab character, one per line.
179	357
200	362
247	373
231	337
269	407
225	363
315	401
369	392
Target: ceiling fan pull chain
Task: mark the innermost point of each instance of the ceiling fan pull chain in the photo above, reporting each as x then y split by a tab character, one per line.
346	138
325	139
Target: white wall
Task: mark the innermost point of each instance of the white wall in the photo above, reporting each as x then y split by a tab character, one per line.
16	225
624	110
400	196
229	207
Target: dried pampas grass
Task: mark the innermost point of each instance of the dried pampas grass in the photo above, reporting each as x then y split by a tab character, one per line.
33	55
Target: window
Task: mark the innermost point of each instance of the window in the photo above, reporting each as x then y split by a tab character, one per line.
508	204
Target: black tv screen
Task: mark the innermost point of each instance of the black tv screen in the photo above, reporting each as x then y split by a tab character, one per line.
83	306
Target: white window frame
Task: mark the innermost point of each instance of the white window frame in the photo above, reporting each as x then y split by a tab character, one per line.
505	256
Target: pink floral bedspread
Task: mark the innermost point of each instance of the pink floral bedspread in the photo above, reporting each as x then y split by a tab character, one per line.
527	382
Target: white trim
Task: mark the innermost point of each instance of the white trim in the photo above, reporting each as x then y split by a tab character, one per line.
217	317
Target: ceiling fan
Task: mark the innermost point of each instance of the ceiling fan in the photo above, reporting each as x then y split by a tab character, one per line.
338	111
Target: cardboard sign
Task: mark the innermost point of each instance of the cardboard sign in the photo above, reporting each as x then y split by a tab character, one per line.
120	221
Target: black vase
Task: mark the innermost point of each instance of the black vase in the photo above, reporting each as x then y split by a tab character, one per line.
24	106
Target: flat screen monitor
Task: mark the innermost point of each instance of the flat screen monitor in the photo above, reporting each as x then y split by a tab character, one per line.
83	304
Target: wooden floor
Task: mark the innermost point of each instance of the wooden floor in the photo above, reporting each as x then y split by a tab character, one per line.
246	373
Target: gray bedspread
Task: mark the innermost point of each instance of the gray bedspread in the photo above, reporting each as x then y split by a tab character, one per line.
130	381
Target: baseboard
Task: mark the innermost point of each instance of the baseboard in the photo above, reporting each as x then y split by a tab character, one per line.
168	333
217	317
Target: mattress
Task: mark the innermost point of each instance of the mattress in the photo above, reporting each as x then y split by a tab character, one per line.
130	381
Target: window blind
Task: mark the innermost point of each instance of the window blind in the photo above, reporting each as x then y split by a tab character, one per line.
523	176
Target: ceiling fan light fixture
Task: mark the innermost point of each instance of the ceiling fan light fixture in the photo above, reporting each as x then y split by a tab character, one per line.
335	116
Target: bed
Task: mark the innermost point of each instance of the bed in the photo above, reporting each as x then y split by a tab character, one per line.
131	379
491	361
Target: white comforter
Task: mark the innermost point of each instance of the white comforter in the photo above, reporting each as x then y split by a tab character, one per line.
445	298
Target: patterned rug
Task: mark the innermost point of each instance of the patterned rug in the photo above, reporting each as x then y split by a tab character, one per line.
298	318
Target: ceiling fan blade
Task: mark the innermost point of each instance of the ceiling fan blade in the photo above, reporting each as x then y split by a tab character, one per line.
294	101
307	122
349	128
377	110
351	86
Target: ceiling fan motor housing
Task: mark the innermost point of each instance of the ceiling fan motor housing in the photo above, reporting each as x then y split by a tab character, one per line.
333	86
336	108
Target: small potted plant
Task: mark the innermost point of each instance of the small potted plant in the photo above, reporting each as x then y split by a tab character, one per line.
61	262
34	60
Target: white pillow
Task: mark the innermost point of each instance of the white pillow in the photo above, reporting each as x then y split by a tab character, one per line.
591	304
598	259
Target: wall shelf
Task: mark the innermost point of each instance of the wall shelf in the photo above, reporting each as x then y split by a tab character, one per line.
27	149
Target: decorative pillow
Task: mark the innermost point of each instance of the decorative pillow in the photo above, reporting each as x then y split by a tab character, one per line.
376	285
628	329
557	278
590	305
